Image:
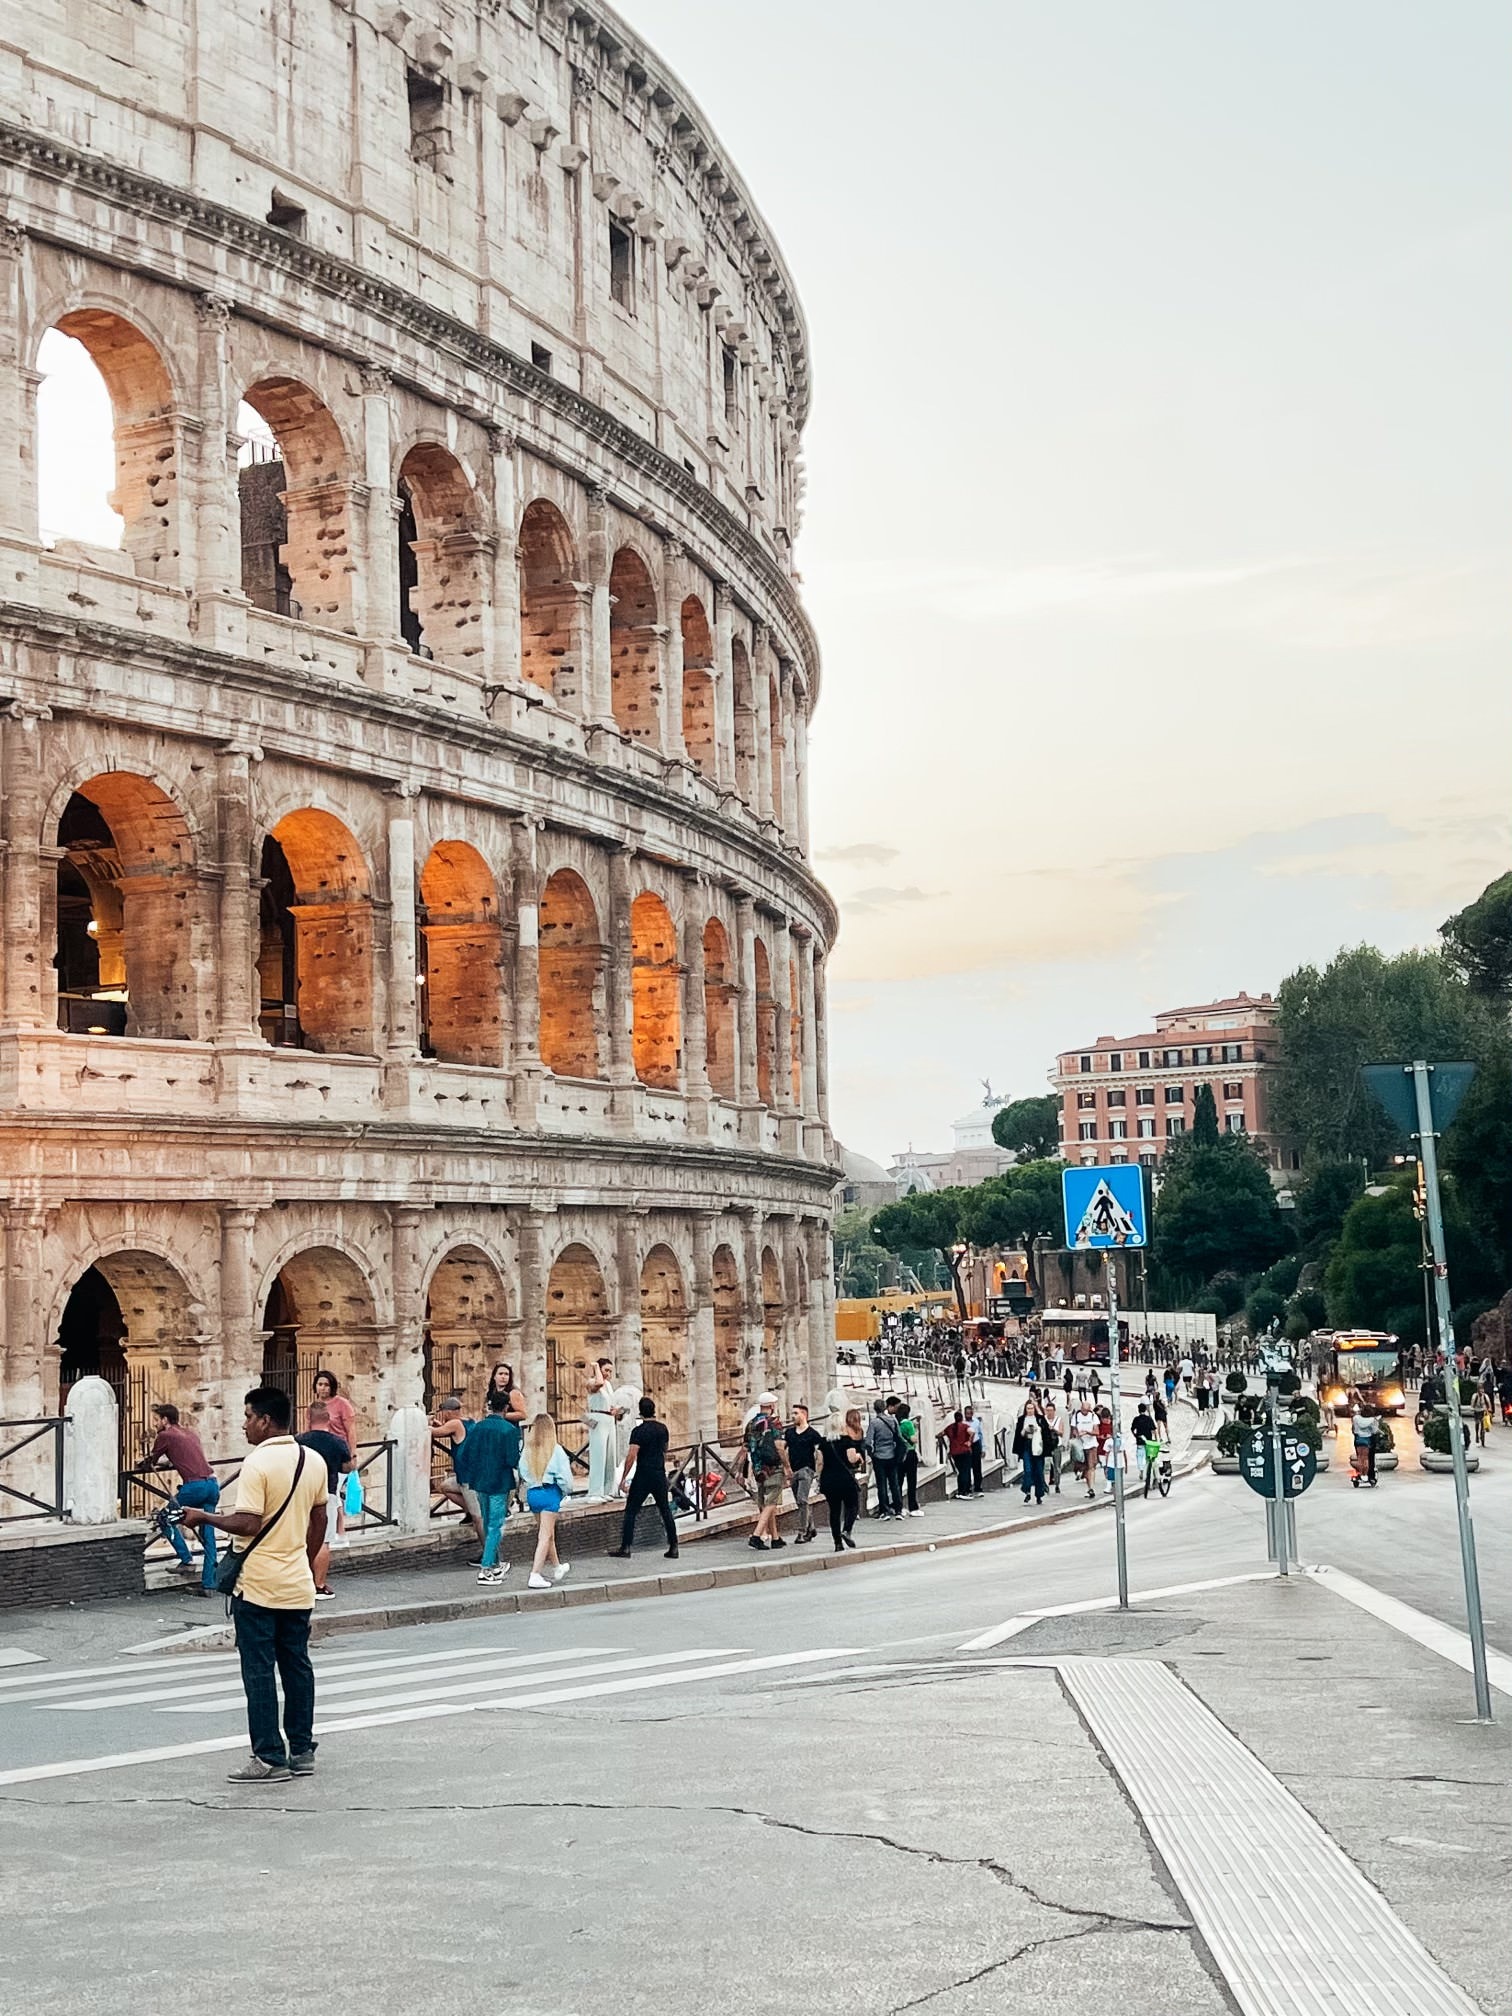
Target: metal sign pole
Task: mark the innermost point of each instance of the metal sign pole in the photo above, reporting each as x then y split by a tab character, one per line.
1428	1149
1282	1565
1114	1403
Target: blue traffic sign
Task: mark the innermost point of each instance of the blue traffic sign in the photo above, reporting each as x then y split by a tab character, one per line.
1104	1207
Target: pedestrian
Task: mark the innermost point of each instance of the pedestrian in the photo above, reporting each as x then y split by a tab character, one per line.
1084	1444
602	1416
1170	1385
958	1448
175	1447
1094	1385
1162	1415
449	1432
336	1453
280	1518
1184	1374
501	1379
1146	1443
325	1389
1364	1438
908	1428
803	1445
546	1473
842	1464
762	1467
1050	1415
884	1446
1031	1445
1068	1383
490	1468
978	1439
645	1473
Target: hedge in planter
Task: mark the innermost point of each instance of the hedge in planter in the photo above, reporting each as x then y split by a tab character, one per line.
1436	1437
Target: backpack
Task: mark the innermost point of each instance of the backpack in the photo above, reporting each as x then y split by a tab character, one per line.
761	1445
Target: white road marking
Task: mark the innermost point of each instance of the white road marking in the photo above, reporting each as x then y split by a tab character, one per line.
1013	1625
1416	1624
985	1640
493	1683
1249	1859
78	1767
327	1674
81	1678
13	1655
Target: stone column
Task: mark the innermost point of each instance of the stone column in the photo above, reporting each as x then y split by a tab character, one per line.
526	1060
379	616
572	682
401	1381
672	651
530	1249
31	1373
821	1043
799	822
782	994
789	755
629	1237
241	1345
747	1082
28	963
236	953
618	993
403	1022
18	410
597	702
820	1362
703	1384
217	507
757	1371
502	634
808	1050
724	686
695	1034
766	727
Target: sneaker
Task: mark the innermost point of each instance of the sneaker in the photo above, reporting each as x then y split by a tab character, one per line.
917	1512
256	1772
759	1545
303	1766
850	1543
779	1541
561	1571
671	1554
538	1582
326	1595
619	1553
493	1575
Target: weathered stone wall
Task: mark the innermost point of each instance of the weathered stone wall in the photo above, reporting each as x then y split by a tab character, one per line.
436	791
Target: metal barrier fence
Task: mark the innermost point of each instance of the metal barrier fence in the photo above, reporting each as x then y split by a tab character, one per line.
147	1492
33	1435
701	1477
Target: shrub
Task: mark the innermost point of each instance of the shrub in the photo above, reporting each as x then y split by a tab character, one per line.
1288	1383
1305	1408
1384	1438
1231	1437
1236	1382
1436	1433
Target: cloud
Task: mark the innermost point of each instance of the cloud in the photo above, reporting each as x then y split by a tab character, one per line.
860	854
884	898
981	592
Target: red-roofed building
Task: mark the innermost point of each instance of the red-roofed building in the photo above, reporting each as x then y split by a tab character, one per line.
1126	1098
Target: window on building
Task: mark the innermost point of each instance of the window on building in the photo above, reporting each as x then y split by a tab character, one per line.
1086	1130
1086	1064
1144	1060
1118	1130
1203	1054
430	136
1086	1100
1170	1060
1233	1088
1144	1095
1115	1060
1118	1098
621	265
540	356
1233	1053
731	388
285	214
1147	1130
1234	1122
1175	1125
1147	1161
1175	1095
1119	1155
1294	1159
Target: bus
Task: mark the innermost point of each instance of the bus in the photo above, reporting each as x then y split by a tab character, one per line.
1367	1362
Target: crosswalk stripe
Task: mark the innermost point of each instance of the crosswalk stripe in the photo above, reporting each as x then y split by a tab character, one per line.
472	1686
327	1671
36	1688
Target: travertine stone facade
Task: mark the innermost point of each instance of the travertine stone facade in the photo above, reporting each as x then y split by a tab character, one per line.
411	956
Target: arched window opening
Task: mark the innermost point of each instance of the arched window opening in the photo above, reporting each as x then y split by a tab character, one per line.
129	1320
699	722
316	954
745	723
655	984
571	977
296	504
319	1316
443	588
664	1338
720	1023
108	480
549	620
410	628
466	1329
131	937
634	650
577	1332
462	958
729	1351
766	1027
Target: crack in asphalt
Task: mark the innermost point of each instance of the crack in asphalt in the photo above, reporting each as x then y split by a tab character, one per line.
1030	1946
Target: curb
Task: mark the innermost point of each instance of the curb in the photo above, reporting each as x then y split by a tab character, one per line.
639	1588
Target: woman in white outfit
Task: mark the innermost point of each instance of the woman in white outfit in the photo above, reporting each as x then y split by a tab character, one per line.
603	1413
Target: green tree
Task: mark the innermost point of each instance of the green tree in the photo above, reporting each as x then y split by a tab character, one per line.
1321	1200
863	1266
1263	1308
1216	1211
928	1218
1028	1127
1478	942
1204	1116
1022	1207
1375	1277
1477	1153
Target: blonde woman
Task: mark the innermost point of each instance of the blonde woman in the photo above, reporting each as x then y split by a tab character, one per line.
547	1476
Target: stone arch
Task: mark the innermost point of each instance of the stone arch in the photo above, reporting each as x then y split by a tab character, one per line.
773	1317
777	744
766	1027
147	434
699	712
729	1345
461	957
466	1325
577	1331
720	992
665	1344
571	978
316	954
130	1319
443	563
294	483
655	989
132	952
319	1312
744	693
550	639
634	650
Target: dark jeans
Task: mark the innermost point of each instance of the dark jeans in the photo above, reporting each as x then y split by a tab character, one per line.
963	1474
642	1488
204	1494
976	1471
889	1475
911	1478
1033	1478
844	1503
266	1639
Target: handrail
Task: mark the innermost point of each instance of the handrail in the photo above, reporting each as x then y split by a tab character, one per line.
40	1426
151	1481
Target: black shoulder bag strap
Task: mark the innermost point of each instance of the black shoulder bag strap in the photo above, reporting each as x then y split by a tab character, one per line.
235	1561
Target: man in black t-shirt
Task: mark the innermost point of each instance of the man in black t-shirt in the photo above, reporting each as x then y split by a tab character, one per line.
646	1472
803	1445
321	1439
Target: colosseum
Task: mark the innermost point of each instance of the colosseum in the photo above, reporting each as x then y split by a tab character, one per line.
411	953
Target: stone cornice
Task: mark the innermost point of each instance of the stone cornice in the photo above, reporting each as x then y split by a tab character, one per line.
339	278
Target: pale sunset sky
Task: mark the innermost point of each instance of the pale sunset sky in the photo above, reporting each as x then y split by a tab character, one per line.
1159	498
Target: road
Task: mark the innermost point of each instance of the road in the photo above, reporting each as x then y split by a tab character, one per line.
793	1792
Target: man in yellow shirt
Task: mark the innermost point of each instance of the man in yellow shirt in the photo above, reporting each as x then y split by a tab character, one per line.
281	1507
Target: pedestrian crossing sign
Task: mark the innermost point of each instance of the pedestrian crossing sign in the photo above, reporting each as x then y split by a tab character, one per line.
1104	1207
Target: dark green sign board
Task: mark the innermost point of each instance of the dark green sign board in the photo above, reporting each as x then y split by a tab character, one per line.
1257	1462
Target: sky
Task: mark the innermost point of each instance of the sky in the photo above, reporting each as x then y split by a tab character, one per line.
1159	497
